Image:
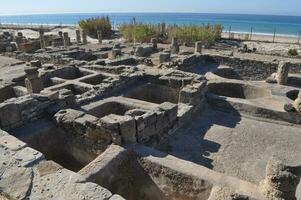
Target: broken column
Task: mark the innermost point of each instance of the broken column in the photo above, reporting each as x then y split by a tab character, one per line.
164	57
42	39
19	38
154	42
280	182
61	34
84	36
198	47
297	103
99	36
116	52
33	82
174	47
78	38
282	73
66	39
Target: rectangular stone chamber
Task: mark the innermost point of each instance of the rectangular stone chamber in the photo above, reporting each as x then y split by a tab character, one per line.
74	88
56	144
94	80
133	177
154	93
69	73
8	92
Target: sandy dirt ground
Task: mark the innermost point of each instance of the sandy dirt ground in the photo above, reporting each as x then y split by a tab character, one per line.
273	48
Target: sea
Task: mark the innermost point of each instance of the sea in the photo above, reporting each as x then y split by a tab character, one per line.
240	23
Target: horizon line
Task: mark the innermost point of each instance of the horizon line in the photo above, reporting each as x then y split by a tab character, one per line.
152	12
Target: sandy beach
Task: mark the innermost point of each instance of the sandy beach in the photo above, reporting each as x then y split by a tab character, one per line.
262	37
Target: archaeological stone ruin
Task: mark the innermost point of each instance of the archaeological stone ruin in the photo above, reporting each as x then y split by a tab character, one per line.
115	120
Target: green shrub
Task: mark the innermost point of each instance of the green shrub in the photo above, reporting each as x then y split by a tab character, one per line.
93	25
188	34
292	52
138	32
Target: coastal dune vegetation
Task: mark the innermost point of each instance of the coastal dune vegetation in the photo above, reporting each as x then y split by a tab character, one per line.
93	25
185	34
143	32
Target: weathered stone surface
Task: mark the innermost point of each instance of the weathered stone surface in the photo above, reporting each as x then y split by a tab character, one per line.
282	73
297	103
154	42
11	143
116	52
164	57
170	110
29	157
280	182
143	51
174	48
64	184
9	114
78	37
127	126
116	197
198	47
35	63
84	36
16	182
34	85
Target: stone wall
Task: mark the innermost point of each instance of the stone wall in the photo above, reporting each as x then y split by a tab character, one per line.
16	112
249	69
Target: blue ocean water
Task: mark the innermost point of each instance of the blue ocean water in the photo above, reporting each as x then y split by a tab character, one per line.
265	24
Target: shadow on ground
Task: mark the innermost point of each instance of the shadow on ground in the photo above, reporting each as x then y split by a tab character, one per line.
189	142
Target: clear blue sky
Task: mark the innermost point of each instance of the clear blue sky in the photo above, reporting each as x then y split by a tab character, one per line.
278	7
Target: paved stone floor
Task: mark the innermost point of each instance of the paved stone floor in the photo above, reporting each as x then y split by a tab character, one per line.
234	145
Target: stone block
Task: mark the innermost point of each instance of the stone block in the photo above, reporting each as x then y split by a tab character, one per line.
198	47
78	37
109	122
102	55
154	42
48	67
29	157
12	143
146	133
116	53
164	57
128	129
34	85
17	182
67	116
9	114
170	109
35	63
31	72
